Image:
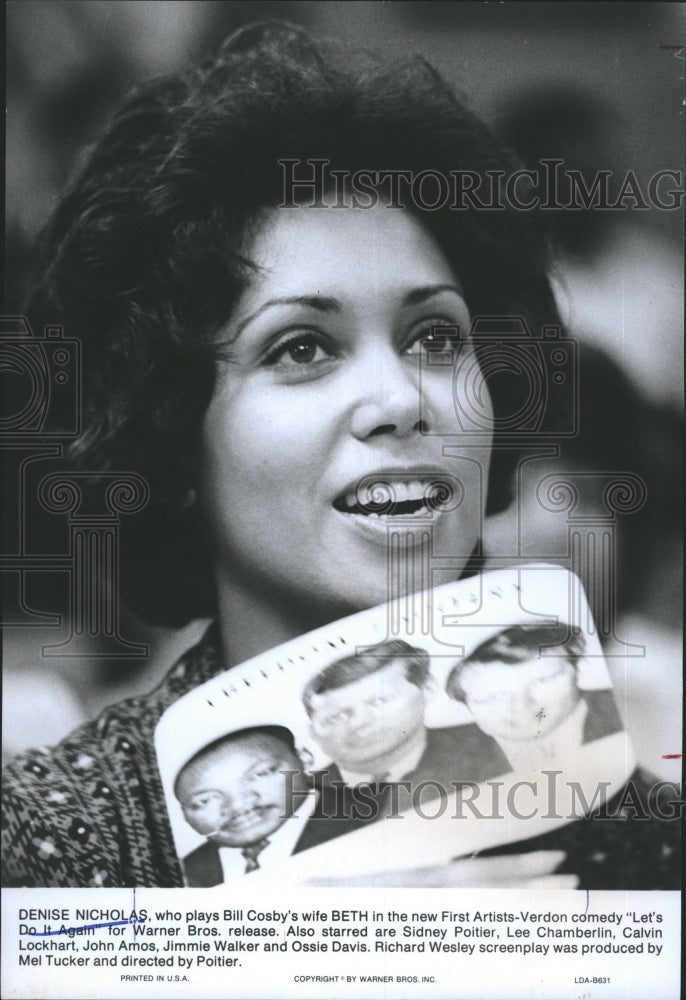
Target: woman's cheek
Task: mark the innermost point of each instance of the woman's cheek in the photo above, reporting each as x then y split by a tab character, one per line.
473	409
265	422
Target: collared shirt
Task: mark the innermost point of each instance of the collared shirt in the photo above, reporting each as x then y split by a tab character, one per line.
396	772
280	846
556	747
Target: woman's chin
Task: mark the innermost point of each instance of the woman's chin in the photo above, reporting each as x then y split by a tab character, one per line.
364	593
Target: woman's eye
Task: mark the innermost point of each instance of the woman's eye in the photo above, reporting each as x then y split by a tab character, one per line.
435	338
299	349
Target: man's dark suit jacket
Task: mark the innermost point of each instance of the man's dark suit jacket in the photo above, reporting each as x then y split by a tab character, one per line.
203	868
458	753
452	756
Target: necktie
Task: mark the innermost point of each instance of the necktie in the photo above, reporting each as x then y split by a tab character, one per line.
250	852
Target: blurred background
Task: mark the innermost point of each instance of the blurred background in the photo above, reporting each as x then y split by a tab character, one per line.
592	84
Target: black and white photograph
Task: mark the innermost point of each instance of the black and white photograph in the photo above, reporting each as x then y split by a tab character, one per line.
342	438
388	730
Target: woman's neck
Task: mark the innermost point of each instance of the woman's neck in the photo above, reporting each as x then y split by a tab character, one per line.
253	621
254	618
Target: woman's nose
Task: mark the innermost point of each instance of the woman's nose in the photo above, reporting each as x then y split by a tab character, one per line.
388	399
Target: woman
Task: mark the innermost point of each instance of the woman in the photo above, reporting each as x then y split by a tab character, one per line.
256	347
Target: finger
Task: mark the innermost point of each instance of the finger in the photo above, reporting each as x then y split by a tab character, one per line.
533	863
504	868
502	871
443	877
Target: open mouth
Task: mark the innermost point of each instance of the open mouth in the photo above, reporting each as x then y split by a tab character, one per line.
394	499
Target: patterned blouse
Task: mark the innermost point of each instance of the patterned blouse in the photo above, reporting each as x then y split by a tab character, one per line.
91	811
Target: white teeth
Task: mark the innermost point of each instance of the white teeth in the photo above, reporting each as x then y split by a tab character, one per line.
378	499
396	492
414	490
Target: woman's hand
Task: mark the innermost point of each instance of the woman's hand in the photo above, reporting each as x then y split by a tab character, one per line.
513	871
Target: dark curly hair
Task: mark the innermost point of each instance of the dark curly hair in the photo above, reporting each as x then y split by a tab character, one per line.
144	259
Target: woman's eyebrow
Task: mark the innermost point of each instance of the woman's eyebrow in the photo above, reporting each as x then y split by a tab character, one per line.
321	302
418	295
325	303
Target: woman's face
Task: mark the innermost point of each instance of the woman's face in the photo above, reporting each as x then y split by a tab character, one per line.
328	383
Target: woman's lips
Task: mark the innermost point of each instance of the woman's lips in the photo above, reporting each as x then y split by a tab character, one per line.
380	528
